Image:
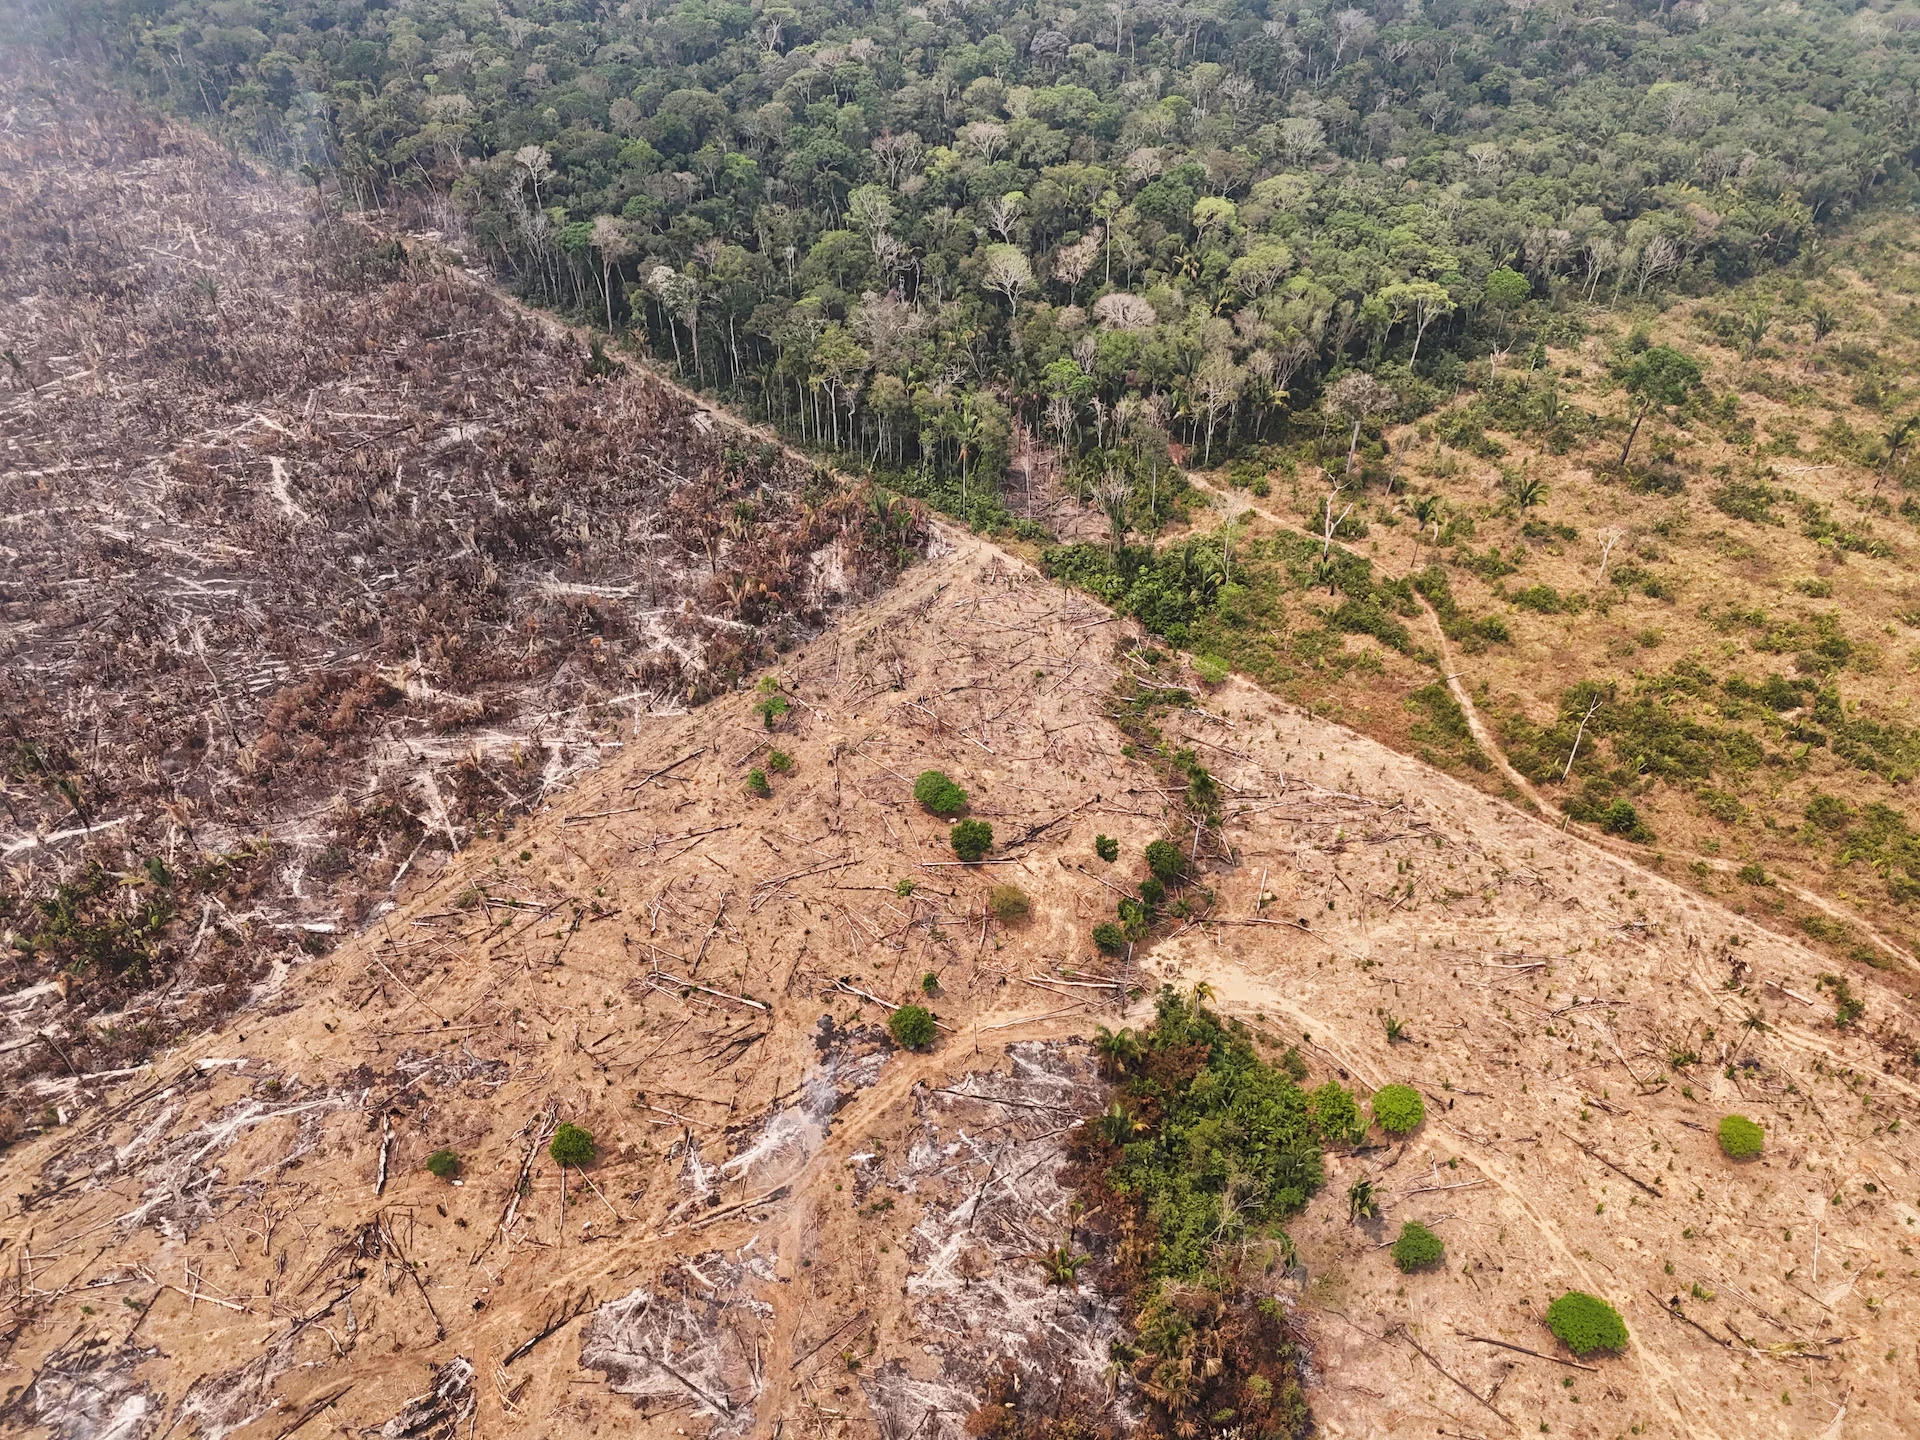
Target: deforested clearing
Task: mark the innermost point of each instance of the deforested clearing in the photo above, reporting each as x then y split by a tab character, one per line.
321	562
791	1220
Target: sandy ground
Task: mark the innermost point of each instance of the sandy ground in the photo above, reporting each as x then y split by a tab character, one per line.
792	1224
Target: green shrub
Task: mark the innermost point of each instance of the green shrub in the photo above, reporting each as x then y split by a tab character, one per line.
1009	903
929	984
1740	1138
1152	893
971	839
571	1145
1331	1109
1106	847
1623	820
443	1164
912	1027
1211	669
780	762
772	703
1168	864
1110	938
1417	1247
1398	1108
1585	1323
757	784
939	795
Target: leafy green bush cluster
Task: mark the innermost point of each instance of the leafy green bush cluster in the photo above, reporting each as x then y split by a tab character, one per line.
571	1145
1585	1323
938	795
912	1027
1417	1248
1205	1149
758	785
443	1164
1740	1138
1107	848
1227	1123
1398	1108
971	839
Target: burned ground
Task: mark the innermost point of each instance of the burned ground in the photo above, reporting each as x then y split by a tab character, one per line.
320	560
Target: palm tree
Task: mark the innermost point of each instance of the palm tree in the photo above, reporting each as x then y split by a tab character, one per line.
1526	491
1061	1264
1115	1124
1118	1050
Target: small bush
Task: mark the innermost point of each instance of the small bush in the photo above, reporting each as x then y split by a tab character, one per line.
1417	1247
929	984
939	795
1584	1323
1211	669
912	1027
1109	938
1009	903
443	1164
1166	862
757	785
1106	847
1740	1138
771	709
571	1145
1331	1111
1398	1108
1152	893
971	839
780	762
1623	820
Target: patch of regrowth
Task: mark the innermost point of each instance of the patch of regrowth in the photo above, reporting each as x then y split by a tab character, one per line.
1585	1323
1009	903
571	1145
1166	861
912	1027
780	762
443	1165
772	704
1398	1108
1106	847
938	795
758	785
971	839
1417	1248
1741	1138
1192	1085
1110	939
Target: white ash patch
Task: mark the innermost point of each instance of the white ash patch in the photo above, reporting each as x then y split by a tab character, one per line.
698	1335
438	1414
989	1175
850	1061
87	1390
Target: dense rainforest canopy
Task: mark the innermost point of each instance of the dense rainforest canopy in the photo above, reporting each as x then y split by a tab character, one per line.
896	228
